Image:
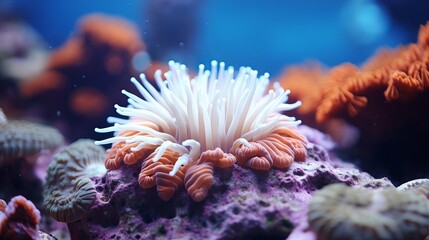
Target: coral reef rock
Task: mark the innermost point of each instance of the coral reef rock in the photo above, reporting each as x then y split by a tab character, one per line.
242	203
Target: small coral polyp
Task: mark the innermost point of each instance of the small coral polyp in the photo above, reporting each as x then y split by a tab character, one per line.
192	125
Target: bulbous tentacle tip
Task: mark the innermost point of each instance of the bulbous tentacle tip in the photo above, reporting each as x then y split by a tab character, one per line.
283	162
259	163
146	181
300	154
114	157
199	195
166	193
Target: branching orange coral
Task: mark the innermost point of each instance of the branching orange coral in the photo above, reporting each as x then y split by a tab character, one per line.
99	37
400	73
83	75
377	107
305	83
192	125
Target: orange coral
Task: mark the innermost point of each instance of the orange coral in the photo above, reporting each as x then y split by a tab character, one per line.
2	205
83	75
96	33
88	101
20	220
121	32
376	108
400	73
335	91
304	82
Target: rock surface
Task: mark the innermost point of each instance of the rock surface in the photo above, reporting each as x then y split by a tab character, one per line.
242	204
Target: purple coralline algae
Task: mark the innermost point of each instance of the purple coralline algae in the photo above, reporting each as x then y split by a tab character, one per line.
242	203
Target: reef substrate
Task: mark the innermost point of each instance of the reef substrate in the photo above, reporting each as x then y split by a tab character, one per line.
242	203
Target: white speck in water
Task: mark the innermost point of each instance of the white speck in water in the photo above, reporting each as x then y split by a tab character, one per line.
181	44
58	113
83	76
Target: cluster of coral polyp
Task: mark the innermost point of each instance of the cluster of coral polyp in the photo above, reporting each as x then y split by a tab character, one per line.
192	125
398	75
401	73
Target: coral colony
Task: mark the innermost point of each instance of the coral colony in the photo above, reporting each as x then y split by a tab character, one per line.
227	162
192	125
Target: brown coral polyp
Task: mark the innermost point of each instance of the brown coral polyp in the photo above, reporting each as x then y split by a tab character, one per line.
19	138
68	191
341	212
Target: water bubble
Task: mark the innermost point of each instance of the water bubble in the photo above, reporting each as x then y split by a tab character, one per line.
365	20
141	61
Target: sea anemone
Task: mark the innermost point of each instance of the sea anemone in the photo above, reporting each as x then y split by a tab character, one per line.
192	125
